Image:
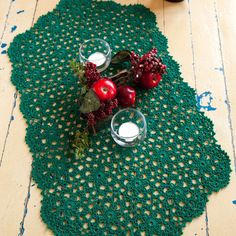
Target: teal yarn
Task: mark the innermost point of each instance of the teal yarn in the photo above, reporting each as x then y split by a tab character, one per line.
154	188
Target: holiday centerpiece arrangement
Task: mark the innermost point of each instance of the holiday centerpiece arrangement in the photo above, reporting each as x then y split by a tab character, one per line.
99	95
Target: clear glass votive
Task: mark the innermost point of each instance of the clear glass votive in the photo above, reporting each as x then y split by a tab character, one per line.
128	127
96	51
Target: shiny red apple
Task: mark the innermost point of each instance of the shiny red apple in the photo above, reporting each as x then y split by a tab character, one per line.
126	96
149	80
105	89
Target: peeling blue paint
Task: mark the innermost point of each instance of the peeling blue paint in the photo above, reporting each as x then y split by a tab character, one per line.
13	28
204	101
19	12
3	45
220	69
4	52
206	221
234	202
22	228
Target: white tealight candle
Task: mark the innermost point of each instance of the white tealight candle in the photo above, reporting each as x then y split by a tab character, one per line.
97	58
129	131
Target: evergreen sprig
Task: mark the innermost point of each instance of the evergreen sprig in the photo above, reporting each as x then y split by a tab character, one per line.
79	70
81	142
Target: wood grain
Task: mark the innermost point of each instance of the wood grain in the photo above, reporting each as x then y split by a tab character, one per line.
201	37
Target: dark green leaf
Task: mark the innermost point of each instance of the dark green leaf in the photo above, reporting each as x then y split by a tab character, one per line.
104	123
90	102
121	56
83	90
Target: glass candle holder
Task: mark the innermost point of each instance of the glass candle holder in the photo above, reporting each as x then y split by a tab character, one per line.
96	51
128	127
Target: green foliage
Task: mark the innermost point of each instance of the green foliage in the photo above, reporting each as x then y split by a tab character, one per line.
81	142
79	70
90	102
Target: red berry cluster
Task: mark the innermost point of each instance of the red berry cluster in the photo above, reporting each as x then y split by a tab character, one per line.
104	111
149	62
94	82
91	74
103	94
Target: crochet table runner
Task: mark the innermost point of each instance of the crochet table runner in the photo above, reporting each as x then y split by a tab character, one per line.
154	188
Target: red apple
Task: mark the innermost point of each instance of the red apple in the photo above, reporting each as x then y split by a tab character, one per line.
149	80
126	96
105	89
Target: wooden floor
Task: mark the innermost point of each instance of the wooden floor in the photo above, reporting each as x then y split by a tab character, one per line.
201	34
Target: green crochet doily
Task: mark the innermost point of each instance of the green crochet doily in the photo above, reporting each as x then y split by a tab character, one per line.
154	188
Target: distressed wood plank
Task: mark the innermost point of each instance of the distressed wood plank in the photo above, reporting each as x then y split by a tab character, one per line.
157	8
211	91
15	166
178	30
33	222
22	22
225	18
5	8
221	210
